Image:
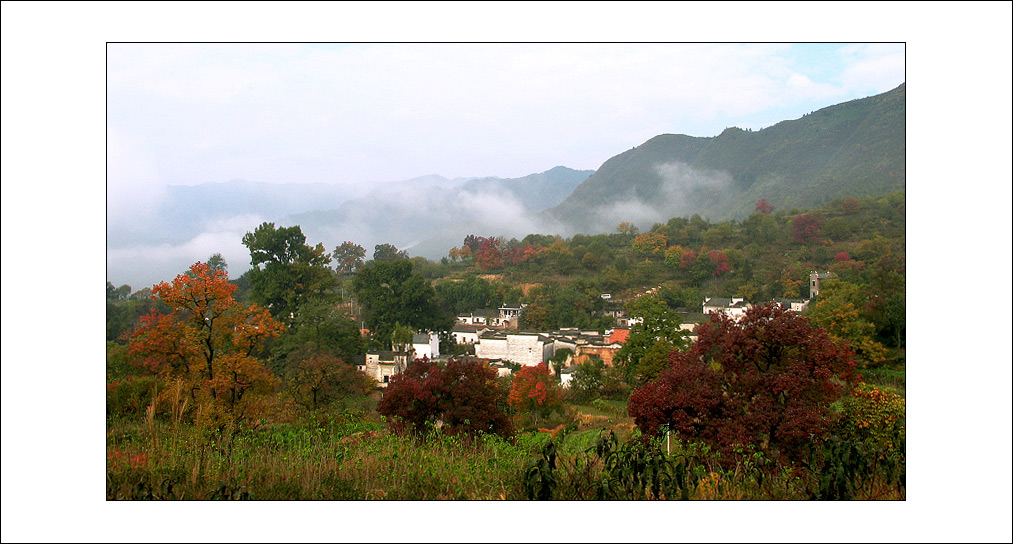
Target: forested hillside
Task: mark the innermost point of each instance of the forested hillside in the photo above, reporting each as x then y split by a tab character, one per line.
852	149
210	380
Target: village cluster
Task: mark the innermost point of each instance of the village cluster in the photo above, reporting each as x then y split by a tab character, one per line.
497	341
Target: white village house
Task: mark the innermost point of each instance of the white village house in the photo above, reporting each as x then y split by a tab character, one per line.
526	348
381	365
734	307
426	345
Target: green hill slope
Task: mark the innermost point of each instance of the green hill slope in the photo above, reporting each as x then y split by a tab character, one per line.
856	148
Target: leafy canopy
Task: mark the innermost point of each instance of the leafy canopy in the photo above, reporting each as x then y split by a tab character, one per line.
462	397
208	340
286	271
661	324
765	381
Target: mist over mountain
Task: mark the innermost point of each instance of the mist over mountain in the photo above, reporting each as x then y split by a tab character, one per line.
856	148
426	215
429	219
185	223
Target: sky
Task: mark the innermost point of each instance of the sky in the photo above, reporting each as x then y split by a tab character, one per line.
57	192
361	114
364	113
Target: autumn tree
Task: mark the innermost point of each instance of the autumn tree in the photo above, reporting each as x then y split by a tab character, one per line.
673	257
489	255
348	257
462	398
650	243
558	256
841	311
286	270
851	205
520	253
766	381
534	390
473	243
764	207
686	259
806	229
208	341
627	228
719	262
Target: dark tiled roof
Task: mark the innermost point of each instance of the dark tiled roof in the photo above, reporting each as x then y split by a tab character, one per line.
724	302
385	355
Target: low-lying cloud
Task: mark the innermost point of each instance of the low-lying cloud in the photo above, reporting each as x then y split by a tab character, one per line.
143	265
682	190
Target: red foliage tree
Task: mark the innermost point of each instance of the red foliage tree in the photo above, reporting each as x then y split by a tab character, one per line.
489	254
764	207
534	389
687	259
806	229
208	340
766	381
720	262
462	397
842	256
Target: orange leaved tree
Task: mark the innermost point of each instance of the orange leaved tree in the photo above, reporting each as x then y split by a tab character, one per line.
208	343
533	389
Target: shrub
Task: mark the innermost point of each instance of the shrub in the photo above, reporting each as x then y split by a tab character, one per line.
766	381
533	389
463	397
130	396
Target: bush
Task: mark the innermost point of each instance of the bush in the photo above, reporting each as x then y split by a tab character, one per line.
130	395
533	389
593	380
463	397
765	381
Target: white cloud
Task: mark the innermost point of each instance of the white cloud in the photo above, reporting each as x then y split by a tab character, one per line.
374	112
365	113
134	189
150	264
872	68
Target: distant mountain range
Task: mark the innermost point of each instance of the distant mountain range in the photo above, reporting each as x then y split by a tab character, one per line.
856	148
429	219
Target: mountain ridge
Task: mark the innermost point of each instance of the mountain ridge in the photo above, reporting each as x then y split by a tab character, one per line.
855	148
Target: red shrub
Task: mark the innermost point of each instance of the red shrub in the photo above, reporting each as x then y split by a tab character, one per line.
767	381
463	397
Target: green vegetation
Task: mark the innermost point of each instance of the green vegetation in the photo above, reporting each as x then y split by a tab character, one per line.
211	395
854	149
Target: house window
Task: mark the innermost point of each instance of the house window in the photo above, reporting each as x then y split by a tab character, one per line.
386	379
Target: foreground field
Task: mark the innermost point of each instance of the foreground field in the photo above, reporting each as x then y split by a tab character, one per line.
353	456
